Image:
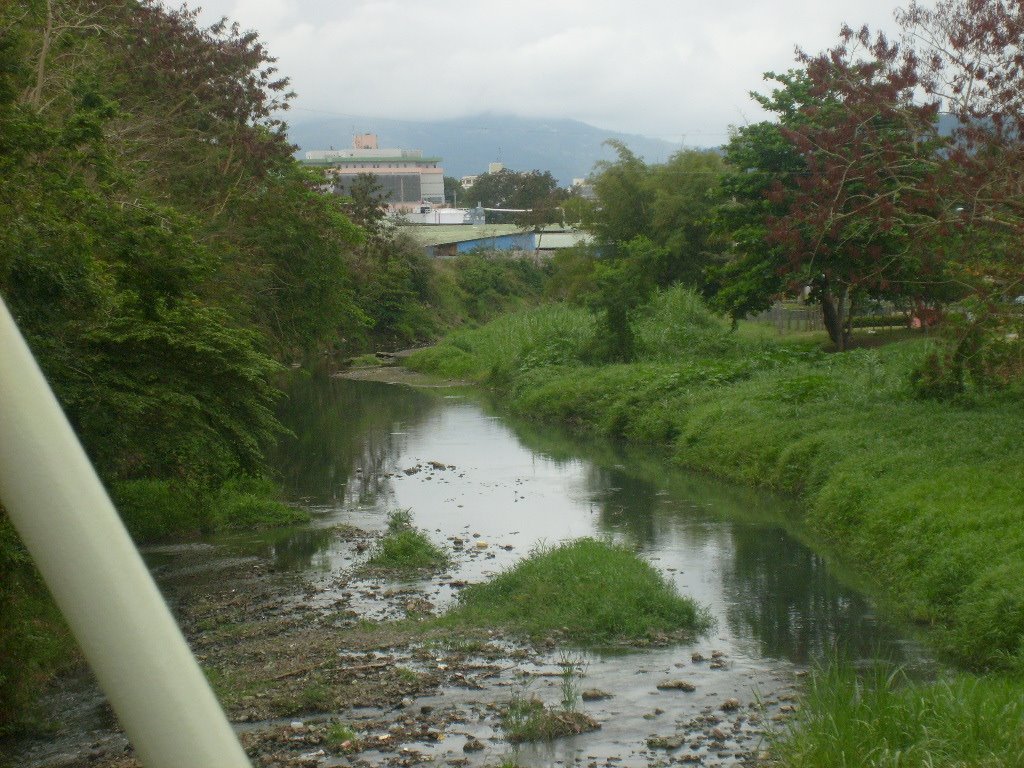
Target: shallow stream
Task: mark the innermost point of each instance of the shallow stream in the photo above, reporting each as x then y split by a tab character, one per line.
501	487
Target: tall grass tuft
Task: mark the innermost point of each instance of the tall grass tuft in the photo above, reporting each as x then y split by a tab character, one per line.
589	591
880	718
553	334
406	549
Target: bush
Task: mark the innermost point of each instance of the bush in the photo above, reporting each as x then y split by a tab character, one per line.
157	509
34	641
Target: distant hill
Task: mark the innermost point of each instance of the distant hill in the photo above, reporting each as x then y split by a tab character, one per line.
567	148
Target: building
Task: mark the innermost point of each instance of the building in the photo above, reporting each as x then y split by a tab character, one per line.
427	214
469	181
407	178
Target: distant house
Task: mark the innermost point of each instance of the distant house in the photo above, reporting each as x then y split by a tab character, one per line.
406	177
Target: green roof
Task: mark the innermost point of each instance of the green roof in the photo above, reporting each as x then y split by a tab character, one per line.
437	234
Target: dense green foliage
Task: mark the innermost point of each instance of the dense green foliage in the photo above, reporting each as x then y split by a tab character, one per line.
885	475
33	638
533	197
670	204
881	718
164	255
591	591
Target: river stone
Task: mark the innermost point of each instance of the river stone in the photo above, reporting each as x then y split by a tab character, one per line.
473	745
677	685
594	694
730	705
665	742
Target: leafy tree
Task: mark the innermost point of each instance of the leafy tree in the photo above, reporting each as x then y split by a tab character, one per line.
751	272
684	192
625	198
670	203
452	190
853	198
621	284
534	191
969	54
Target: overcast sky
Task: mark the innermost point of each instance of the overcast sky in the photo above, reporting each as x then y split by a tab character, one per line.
675	69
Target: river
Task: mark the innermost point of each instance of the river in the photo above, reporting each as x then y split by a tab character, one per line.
361	449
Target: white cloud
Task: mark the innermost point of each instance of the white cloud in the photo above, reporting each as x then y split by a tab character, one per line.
668	68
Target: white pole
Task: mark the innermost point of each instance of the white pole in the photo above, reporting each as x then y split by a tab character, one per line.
67	522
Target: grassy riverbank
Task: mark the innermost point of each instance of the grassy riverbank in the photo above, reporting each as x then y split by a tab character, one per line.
920	500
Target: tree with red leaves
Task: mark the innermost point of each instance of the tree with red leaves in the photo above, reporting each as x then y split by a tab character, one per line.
856	218
972	62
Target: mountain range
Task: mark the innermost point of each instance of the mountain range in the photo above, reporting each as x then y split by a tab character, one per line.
567	148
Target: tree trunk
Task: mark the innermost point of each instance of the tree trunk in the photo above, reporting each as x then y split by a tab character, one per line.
835	315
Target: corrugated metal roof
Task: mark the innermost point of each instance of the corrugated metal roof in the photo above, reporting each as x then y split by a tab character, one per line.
557	240
434	234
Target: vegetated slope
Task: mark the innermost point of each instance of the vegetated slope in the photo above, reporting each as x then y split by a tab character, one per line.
466	145
921	499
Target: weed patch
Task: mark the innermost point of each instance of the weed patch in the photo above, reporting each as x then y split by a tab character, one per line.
528	719
340	735
881	718
405	549
587	591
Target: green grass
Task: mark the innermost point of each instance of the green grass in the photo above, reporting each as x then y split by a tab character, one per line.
920	500
405	549
588	591
528	719
338	734
882	719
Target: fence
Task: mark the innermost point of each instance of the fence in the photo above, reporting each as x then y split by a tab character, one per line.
791	319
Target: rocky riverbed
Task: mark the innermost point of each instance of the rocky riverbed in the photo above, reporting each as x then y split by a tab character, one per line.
342	667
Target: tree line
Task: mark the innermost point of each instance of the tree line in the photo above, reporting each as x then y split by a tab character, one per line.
890	172
167	259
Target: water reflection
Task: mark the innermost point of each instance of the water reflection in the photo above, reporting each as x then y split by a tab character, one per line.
787	599
732	548
346	436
